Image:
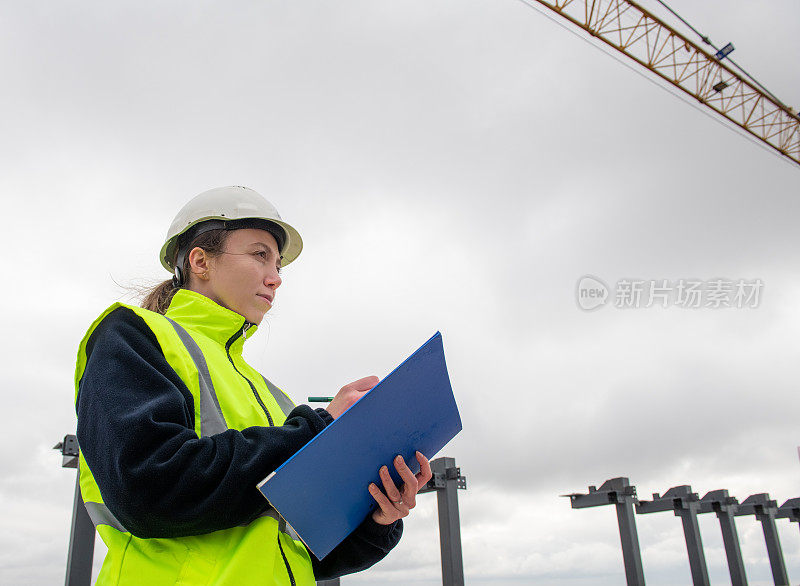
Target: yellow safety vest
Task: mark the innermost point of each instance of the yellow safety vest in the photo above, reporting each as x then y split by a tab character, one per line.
228	394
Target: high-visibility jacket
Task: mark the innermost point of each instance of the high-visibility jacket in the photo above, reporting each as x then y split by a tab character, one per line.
202	342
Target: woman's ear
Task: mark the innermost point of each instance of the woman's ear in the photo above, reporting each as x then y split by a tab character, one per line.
199	263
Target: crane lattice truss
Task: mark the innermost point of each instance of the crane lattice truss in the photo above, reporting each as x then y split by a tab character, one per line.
632	30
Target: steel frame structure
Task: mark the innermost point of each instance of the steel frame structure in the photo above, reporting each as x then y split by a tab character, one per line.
726	506
765	510
685	504
620	493
653	44
446	482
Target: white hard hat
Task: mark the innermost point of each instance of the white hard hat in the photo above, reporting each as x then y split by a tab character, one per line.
226	207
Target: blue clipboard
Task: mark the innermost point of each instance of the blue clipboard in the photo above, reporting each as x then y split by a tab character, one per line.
322	492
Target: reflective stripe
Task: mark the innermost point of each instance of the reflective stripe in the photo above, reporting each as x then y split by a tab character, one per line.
212	421
282	400
100	515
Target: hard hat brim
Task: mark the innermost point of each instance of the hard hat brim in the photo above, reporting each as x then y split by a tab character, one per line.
291	248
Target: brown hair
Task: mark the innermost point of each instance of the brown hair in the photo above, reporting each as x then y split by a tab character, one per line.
159	297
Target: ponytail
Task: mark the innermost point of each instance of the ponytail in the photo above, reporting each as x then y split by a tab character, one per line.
160	296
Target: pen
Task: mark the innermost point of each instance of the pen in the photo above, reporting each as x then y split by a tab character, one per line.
320	399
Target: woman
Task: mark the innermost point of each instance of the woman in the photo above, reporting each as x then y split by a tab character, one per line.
176	429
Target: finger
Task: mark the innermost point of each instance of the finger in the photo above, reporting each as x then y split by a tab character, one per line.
389	486
388	509
425	472
363	384
391	511
410	485
402	509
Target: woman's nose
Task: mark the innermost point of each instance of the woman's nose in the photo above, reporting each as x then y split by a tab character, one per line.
273	280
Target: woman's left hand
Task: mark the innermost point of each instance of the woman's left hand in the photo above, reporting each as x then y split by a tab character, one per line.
395	503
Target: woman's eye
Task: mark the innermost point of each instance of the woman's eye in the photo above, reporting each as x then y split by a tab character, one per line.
262	254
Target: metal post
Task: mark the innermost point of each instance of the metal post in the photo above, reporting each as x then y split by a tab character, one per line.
694	546
81	544
725	506
629	538
619	492
765	511
81	537
446	481
449	523
684	504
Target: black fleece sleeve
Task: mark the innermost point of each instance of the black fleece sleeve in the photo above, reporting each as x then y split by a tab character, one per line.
363	548
136	432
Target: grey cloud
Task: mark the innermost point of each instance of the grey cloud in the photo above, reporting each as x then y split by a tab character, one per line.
453	166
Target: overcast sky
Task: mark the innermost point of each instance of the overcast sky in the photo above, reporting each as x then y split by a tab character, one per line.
452	166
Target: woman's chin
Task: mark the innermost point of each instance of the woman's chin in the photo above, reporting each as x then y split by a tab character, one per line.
256	317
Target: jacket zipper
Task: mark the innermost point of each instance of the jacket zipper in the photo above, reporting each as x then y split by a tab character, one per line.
286	562
243	333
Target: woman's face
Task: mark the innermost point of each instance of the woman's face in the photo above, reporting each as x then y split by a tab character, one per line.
245	277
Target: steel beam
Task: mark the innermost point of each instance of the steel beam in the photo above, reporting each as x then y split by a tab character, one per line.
81	536
446	481
765	511
725	506
620	493
684	504
81	544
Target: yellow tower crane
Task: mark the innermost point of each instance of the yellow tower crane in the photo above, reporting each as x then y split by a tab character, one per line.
642	36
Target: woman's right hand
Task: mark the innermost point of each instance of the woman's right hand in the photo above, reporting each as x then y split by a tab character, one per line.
349	394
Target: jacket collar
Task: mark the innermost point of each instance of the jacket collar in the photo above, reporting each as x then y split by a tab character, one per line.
197	312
